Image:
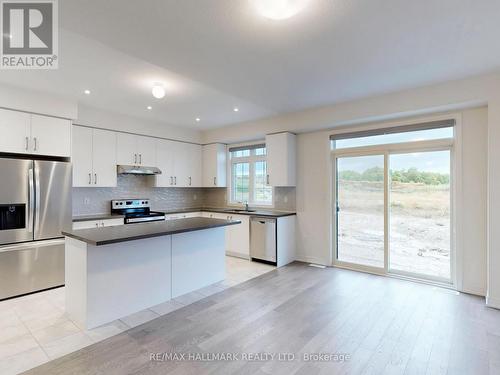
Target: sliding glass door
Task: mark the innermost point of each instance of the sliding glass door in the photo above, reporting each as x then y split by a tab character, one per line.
420	219
393	212
360	210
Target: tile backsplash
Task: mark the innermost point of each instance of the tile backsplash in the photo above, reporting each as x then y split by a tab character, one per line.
89	201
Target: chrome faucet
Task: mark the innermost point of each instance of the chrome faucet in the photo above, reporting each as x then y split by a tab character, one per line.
246	206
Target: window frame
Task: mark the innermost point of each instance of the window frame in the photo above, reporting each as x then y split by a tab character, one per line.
251	159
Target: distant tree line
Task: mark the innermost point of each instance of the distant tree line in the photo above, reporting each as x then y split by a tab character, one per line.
411	175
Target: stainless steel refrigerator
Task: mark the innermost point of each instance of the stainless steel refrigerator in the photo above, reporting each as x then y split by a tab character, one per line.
35	206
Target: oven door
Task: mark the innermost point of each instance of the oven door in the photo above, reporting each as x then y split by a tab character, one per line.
16	200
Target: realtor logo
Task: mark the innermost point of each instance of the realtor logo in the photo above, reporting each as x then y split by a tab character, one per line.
29	34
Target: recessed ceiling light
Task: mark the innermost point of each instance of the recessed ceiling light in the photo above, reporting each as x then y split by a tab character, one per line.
149	107
87	92
279	9
198	119
158	91
236	109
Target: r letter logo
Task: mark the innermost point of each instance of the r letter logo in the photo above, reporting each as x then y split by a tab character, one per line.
29	34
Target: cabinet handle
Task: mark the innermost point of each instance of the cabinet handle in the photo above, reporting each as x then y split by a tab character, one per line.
95	178
97	225
135	158
35	147
140	158
27	143
175	180
267	179
90	178
215	181
189	180
171	180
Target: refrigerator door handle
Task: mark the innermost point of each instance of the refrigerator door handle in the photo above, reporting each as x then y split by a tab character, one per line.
31	200
37	200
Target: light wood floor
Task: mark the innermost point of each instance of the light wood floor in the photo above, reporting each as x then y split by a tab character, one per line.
387	326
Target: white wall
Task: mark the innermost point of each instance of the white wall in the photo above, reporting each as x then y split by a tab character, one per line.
113	121
474	203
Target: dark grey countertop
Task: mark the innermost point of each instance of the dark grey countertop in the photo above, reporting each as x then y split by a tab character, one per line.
228	210
122	233
97	217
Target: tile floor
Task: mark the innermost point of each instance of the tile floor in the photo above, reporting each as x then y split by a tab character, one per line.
35	329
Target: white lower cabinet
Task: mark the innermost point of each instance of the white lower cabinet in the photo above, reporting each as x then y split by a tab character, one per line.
88	224
237	236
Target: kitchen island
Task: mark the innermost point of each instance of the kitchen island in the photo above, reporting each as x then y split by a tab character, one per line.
112	272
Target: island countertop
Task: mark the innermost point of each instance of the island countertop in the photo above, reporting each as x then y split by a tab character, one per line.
122	233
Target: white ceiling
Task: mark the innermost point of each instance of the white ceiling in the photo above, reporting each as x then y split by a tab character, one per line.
217	54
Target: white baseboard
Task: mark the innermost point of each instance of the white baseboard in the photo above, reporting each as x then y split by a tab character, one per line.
309	259
475	292
493	302
237	255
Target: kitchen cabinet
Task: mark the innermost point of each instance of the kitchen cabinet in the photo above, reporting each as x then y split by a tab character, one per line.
24	133
88	224
94	157
214	165
281	159
237	236
136	150
51	136
179	162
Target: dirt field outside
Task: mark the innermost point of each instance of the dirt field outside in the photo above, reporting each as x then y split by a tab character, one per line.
419	234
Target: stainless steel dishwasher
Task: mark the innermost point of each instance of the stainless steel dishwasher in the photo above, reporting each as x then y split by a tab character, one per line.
263	239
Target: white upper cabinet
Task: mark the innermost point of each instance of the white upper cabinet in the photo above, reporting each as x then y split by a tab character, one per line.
281	159
165	153
126	149
194	165
179	162
15	131
104	158
136	150
82	156
94	157
214	165
51	136
34	134
146	151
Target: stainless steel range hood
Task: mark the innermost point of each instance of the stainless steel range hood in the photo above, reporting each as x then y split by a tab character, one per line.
138	170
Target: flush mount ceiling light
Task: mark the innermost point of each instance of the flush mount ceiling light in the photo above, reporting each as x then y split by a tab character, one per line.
149	107
87	92
198	119
158	91
279	9
236	109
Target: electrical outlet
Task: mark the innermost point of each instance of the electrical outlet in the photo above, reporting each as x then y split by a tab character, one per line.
285	199
195	197
86	201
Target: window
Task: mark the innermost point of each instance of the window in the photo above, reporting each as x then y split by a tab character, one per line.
393	135
249	176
